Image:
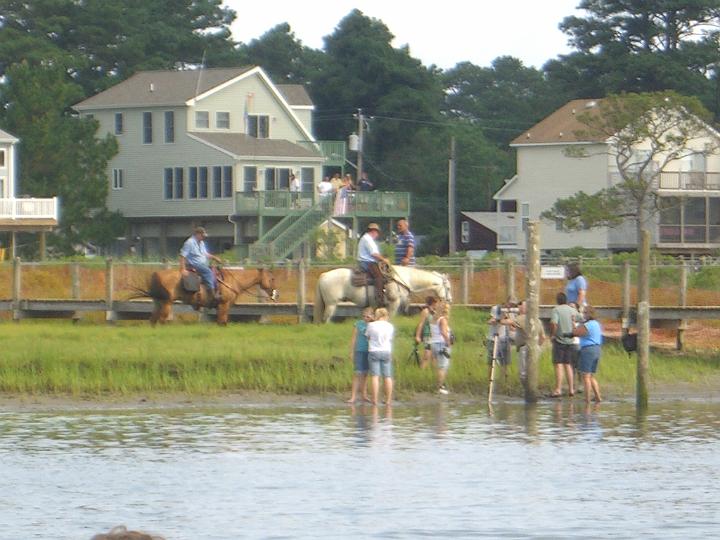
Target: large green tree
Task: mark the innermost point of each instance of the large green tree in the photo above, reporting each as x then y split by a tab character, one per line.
504	99
59	154
104	41
629	46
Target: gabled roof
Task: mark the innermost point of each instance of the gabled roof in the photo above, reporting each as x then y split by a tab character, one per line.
161	88
241	145
295	95
7	138
560	126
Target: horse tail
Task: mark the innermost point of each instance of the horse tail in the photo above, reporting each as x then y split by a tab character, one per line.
157	291
319	304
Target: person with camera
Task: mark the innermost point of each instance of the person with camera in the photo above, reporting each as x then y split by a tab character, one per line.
501	332
521	338
562	324
440	344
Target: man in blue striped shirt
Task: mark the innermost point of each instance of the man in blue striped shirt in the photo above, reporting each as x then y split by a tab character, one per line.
405	247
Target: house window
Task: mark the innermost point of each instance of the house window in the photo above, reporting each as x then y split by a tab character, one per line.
202	119
465	232
524	215
249	179
277	179
227	181
559	224
118	178
258	126
119	123
169	126
168	183
179	183
192	183
714	220
508	206
147	128
222	120
3	195
694	218
203	183
2	158
217	182
307	179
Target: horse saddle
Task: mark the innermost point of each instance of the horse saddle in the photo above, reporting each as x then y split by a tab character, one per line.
191	282
360	278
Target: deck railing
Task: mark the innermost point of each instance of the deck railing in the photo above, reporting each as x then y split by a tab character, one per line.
29	208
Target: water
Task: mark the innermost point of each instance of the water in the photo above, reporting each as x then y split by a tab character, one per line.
444	469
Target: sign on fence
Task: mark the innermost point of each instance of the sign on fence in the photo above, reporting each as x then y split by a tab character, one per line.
552	272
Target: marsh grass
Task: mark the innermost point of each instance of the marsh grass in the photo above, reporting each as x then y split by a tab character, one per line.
201	359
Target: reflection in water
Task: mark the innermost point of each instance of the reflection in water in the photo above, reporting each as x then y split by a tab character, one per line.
445	469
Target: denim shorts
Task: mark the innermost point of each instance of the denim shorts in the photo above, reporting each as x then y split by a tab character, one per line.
380	364
361	361
442	361
589	358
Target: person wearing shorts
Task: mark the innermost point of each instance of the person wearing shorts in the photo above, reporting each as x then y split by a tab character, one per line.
562	324
380	335
440	344
359	354
591	339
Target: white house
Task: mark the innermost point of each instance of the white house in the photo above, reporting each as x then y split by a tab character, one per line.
21	213
546	172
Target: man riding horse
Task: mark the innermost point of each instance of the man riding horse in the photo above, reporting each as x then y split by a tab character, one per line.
369	257
194	256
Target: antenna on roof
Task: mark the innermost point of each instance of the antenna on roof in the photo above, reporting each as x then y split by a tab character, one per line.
202	67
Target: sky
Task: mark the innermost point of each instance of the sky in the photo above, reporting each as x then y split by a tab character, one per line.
477	31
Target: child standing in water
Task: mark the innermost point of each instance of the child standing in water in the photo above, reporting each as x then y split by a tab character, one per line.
380	335
359	355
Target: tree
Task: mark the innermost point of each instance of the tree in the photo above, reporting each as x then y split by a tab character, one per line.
643	133
629	46
102	42
504	99
59	154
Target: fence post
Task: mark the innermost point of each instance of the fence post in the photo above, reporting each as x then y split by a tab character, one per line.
75	286
465	283
301	297
682	323
110	314
510	278
626	296
16	288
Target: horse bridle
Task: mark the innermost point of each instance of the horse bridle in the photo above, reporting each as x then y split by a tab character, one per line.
245	290
392	275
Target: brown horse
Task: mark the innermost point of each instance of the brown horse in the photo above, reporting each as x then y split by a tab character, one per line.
166	286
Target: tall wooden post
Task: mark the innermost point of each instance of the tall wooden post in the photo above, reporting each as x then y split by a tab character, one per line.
532	319
301	288
643	314
510	278
43	245
626	295
682	323
75	286
452	234
110	314
465	283
16	288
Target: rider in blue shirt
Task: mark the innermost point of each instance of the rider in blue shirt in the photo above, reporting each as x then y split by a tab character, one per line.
194	255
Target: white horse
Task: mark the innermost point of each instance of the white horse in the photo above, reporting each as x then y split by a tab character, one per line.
335	286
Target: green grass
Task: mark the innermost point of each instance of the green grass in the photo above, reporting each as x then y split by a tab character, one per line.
202	359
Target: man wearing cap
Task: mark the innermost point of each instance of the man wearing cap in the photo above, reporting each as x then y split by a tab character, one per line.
368	257
194	255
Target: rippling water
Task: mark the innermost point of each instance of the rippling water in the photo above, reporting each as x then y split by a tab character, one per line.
558	470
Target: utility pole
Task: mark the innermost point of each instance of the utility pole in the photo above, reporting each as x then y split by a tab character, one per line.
361	127
452	237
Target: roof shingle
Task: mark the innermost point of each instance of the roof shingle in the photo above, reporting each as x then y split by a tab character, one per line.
243	145
561	126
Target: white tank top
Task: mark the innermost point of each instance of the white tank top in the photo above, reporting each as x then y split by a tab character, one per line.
435	334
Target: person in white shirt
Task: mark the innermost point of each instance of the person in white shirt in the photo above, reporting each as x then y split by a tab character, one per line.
380	334
368	258
295	189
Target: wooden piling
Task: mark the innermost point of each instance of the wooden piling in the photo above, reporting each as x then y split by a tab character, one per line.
643	323
465	283
510	278
16	288
682	323
75	286
532	318
110	314
301	290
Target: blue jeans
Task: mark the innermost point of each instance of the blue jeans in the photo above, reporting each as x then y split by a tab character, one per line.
206	275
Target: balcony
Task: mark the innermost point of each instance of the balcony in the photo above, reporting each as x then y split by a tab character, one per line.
689	181
366	204
19	213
